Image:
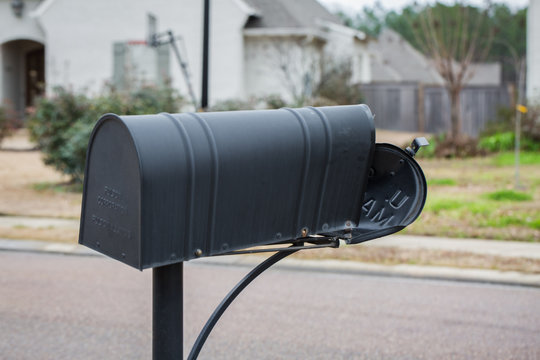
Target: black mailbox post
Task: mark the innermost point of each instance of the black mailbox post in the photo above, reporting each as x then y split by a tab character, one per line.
163	189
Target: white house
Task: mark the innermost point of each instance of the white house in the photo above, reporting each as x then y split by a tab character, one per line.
257	47
287	42
533	52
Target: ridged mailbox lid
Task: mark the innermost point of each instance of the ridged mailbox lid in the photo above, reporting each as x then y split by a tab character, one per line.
161	189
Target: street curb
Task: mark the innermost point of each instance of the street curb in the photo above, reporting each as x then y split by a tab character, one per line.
36	246
330	266
402	270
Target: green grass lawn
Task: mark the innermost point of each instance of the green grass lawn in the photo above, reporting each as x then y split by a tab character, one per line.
476	198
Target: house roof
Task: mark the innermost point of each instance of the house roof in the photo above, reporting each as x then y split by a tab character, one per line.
393	59
288	14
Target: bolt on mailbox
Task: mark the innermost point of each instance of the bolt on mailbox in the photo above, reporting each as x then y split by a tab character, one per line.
167	188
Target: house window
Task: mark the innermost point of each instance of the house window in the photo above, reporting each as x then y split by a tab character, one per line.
136	64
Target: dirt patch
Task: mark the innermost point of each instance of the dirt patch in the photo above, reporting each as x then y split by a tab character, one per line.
20	170
399	138
18	141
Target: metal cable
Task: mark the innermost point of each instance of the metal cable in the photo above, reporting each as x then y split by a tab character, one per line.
220	309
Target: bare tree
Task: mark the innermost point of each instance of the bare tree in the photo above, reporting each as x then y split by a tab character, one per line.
299	64
454	37
313	76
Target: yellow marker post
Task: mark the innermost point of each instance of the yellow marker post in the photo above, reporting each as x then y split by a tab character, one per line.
521	108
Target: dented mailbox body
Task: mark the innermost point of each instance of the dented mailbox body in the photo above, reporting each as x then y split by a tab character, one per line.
161	189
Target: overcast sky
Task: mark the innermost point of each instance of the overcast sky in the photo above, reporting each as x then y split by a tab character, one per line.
357	5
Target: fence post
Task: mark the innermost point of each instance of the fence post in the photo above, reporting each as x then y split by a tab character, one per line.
421	114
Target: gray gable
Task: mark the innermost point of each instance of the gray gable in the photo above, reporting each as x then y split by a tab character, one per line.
288	14
394	59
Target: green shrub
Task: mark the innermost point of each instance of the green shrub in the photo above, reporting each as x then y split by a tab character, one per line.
503	141
429	151
233	104
441	146
499	135
61	124
52	117
73	152
274	102
151	100
503	122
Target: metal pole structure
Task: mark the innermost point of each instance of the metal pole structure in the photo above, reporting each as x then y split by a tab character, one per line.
167	319
517	144
183	67
206	36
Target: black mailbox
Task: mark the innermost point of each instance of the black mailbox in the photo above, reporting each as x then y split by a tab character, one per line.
162	189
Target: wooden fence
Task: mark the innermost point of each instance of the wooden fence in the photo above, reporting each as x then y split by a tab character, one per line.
421	108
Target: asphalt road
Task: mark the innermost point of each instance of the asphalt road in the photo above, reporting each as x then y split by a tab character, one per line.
76	307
